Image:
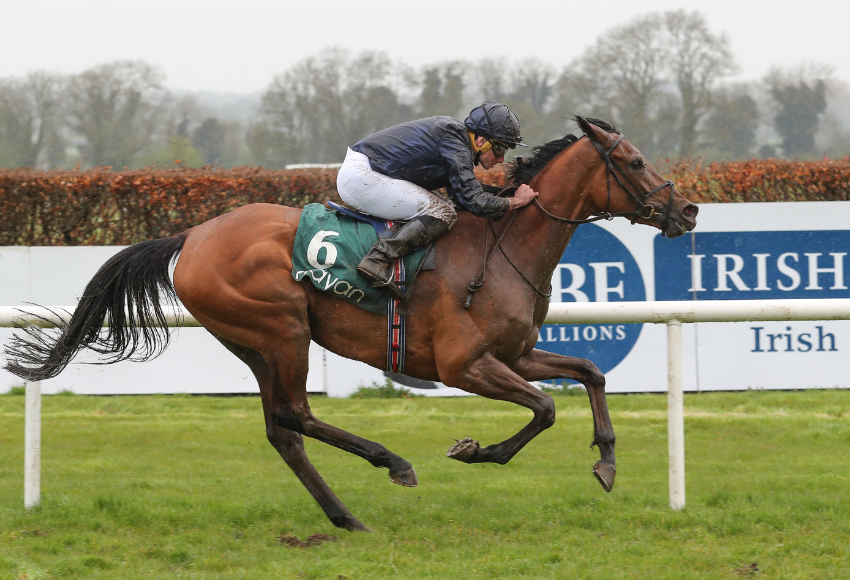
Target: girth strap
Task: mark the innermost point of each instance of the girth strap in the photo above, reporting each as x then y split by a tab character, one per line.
396	323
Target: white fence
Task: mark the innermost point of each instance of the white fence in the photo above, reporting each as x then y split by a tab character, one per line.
673	314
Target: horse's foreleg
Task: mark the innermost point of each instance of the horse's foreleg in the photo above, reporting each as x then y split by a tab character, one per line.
490	378
290	445
539	365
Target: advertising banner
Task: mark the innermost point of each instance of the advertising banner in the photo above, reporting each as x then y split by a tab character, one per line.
737	252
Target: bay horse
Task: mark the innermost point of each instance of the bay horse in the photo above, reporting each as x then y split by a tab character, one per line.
233	274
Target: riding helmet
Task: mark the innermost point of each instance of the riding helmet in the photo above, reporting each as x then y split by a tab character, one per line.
495	121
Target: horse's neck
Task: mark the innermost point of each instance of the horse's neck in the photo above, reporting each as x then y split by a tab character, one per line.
541	240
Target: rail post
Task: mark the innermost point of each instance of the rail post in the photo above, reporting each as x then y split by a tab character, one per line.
32	445
675	415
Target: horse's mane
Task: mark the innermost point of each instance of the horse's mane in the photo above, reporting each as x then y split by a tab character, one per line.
523	169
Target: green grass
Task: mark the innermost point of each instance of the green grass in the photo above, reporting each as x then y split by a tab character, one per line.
386	391
188	487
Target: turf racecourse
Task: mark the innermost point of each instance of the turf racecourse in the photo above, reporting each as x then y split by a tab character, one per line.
188	487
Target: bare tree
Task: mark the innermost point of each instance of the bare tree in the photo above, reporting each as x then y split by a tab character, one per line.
833	138
30	118
442	89
800	93
697	59
370	97
315	110
209	139
732	123
533	82
116	109
184	114
431	98
491	77
619	78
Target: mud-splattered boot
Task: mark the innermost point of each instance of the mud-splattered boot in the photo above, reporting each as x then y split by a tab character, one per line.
377	265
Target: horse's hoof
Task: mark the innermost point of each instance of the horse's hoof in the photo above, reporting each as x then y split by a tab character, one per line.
464	450
605	473
349	523
407	478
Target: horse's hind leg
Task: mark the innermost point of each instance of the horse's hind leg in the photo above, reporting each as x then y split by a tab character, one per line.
539	365
290	445
291	410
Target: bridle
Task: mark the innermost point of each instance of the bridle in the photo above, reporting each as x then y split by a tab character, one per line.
644	211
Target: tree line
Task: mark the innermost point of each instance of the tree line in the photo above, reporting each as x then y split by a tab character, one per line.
661	78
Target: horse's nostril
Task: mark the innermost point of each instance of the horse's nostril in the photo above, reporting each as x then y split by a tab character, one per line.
690	211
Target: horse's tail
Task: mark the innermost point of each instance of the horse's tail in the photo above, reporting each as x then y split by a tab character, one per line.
128	293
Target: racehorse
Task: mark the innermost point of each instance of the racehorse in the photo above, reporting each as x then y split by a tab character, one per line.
233	274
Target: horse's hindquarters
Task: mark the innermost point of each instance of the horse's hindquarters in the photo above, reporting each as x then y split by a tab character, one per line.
234	273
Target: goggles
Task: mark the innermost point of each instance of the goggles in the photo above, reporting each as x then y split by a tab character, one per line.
499	148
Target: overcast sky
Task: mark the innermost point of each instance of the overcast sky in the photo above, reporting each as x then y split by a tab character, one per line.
239	45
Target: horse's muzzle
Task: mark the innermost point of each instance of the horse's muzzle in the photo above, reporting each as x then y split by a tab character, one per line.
680	222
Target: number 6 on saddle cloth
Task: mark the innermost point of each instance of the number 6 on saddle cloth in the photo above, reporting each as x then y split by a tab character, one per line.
328	246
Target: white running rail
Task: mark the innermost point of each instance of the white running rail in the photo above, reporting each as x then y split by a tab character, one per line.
673	314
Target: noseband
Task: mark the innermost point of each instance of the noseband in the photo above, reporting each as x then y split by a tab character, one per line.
644	210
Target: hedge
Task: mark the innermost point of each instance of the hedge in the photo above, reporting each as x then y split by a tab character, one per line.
103	207
762	180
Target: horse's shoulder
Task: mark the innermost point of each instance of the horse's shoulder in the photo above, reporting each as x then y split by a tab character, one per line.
465	220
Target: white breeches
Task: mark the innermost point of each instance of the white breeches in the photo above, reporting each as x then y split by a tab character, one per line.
391	199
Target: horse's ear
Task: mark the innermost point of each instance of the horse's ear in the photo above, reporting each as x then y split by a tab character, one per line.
593	132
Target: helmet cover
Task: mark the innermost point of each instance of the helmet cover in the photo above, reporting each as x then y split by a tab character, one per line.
495	121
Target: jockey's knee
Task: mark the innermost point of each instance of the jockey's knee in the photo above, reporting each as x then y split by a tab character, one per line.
452	219
443	210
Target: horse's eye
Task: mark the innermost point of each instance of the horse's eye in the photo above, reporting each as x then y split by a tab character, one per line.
636	164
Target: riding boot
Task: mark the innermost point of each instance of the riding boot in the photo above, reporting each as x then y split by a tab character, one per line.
377	265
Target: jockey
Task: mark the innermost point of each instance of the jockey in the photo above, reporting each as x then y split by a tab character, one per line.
392	173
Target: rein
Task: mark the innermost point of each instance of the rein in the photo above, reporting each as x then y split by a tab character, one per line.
644	211
473	286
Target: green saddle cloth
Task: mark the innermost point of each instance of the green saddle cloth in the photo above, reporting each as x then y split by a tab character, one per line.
328	247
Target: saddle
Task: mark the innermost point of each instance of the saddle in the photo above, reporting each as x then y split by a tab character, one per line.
395	308
403	277
383	229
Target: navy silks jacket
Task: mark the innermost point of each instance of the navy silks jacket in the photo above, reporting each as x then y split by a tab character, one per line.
432	153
